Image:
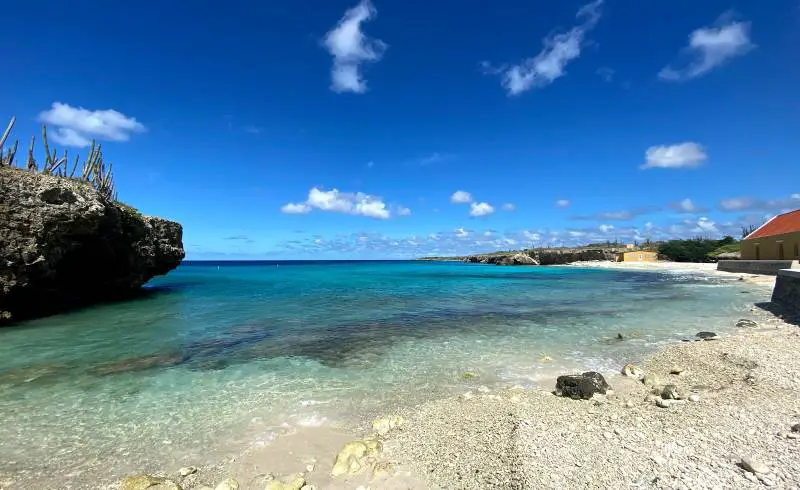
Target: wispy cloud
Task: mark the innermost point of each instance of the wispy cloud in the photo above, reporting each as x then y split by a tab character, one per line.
296	208
754	204
253	129
682	155
562	203
76	126
340	202
709	48
350	47
624	215
606	73
238	237
480	209
551	62
435	157
686	206
509	206
461	197
402	211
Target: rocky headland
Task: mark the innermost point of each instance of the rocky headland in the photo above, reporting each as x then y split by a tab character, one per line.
556	256
63	244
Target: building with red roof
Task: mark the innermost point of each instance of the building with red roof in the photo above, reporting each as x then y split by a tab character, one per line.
777	239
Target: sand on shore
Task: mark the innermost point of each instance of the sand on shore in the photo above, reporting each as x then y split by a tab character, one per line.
745	391
690	267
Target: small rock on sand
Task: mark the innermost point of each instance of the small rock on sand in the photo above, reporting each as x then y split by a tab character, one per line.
581	386
650	379
754	466
229	484
187	470
632	371
676	370
745	323
349	460
707	336
660	402
670	392
147	482
297	483
694	397
796	428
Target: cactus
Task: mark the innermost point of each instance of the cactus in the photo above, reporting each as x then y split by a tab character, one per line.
93	169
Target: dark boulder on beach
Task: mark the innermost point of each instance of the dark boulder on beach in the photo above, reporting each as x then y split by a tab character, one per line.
64	245
581	386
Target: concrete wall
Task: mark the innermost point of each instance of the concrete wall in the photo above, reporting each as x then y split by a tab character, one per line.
769	247
787	289
767	267
639	256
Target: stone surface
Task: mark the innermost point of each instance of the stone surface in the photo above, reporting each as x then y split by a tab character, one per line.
147	482
745	323
632	370
662	403
581	386
384	425
350	460
187	470
707	335
62	245
297	483
753	465
229	484
670	392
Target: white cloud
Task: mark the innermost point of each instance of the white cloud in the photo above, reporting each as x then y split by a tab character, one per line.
370	164
705	225
562	203
648	226
753	204
76	126
551	62
606	228
509	206
682	155
687	206
401	211
462	233
531	236
340	202
296	208
710	47
480	209
461	197
350	47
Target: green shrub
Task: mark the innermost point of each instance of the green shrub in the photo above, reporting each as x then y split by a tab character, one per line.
694	249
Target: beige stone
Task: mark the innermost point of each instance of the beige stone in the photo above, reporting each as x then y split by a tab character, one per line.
147	482
229	484
384	425
296	484
349	461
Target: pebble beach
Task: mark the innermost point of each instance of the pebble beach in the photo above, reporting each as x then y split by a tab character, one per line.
717	413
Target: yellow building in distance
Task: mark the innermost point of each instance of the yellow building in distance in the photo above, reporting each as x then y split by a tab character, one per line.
638	256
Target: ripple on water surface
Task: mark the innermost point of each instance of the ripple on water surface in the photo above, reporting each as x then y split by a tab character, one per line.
222	356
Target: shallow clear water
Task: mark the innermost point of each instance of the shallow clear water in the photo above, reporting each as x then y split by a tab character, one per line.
219	356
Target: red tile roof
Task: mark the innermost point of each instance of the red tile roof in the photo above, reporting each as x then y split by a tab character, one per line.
779	225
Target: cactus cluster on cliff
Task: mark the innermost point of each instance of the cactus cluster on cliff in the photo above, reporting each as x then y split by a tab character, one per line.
92	170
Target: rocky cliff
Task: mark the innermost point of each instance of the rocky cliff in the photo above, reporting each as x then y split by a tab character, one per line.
63	245
537	257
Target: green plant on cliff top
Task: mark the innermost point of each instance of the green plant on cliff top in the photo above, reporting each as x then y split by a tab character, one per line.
93	169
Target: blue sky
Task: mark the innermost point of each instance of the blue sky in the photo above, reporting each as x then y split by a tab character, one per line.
338	129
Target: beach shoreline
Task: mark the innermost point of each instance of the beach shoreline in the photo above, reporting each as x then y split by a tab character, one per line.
743	397
443	442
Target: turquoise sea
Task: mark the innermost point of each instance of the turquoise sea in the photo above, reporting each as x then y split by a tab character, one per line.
216	357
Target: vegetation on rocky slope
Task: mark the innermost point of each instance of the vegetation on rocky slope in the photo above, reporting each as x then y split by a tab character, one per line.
93	169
